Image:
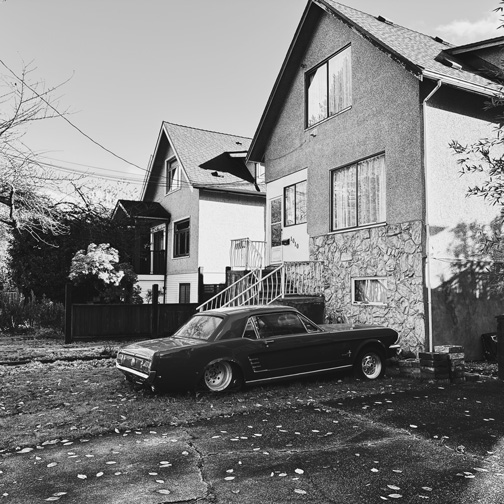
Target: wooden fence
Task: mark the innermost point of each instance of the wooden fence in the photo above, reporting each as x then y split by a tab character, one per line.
120	321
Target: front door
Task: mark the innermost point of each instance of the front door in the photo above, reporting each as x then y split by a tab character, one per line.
275	238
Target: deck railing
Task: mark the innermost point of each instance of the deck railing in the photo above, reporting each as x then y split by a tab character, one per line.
247	254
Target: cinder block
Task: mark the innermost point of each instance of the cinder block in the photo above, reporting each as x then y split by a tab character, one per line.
434	363
433	374
409	363
445	349
432	356
456	356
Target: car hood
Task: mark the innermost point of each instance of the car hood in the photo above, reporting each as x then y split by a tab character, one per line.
160	345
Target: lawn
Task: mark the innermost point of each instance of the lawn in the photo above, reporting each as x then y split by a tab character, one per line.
81	394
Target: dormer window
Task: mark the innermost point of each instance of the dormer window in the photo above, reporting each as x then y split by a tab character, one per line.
172	175
329	87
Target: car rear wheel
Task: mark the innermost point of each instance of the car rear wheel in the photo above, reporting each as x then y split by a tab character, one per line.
370	364
221	376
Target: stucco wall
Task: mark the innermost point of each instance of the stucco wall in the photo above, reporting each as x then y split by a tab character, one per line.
181	203
384	117
392	252
463	307
222	220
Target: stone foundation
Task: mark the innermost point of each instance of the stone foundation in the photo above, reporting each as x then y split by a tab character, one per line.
393	252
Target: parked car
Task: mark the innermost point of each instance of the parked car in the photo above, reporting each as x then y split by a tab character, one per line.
225	348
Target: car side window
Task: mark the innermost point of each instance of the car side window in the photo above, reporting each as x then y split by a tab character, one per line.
279	324
250	331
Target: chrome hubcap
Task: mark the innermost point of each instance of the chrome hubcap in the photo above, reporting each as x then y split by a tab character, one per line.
218	376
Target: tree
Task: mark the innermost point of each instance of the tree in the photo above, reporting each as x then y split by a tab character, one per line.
98	274
42	264
26	183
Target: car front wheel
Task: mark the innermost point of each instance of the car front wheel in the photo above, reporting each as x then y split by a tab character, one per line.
370	364
220	376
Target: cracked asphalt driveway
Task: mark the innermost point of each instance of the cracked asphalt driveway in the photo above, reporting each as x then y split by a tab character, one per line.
443	445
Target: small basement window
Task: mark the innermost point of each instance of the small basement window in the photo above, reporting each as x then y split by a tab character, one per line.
369	291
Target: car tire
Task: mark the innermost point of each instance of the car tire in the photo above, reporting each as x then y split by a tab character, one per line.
370	364
222	376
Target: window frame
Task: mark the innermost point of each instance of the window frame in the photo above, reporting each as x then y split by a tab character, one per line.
184	292
313	71
381	279
383	195
172	174
177	234
296	222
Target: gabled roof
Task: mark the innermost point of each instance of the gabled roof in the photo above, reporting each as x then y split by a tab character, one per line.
416	52
140	210
199	152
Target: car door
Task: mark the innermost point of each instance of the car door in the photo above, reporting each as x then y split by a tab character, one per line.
288	345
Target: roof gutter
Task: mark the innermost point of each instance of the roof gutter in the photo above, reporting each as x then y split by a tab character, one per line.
459	83
428	256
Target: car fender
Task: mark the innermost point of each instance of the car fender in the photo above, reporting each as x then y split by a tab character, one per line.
372	342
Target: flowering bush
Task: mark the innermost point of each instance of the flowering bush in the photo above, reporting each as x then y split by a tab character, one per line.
99	274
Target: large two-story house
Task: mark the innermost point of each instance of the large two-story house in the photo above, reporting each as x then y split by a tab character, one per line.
199	196
355	140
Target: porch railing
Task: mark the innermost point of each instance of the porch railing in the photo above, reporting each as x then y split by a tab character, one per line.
247	254
266	286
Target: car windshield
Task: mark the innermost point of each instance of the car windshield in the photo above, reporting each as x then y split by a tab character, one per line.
199	327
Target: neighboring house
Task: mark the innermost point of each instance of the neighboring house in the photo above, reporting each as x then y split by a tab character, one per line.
199	194
355	143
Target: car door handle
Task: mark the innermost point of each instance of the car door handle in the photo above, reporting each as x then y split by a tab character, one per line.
269	342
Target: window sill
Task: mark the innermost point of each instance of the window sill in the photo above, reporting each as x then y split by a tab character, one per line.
358	228
359	303
312	126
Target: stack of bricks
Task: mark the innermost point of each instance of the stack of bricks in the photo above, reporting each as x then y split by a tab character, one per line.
434	366
456	359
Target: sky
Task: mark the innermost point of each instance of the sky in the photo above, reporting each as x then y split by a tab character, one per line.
128	65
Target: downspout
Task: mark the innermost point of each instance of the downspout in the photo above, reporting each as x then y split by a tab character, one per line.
427	225
165	276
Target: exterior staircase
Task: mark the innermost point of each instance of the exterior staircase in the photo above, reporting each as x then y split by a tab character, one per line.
267	286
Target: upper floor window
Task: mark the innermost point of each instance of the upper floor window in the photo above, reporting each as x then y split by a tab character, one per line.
295	204
181	238
329	87
358	194
172	175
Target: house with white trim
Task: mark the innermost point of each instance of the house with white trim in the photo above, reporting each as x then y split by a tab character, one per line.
199	195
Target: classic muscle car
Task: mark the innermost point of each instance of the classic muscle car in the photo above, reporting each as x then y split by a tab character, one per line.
225	348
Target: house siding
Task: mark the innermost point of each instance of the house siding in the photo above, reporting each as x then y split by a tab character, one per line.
172	287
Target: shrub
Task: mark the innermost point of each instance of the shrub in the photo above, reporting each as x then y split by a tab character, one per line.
17	314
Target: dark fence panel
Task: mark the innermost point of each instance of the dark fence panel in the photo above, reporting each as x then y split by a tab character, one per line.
172	316
95	321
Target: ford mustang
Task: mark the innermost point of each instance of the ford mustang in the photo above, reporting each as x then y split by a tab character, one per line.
225	348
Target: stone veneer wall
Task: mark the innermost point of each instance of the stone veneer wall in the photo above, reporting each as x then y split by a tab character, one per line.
394	252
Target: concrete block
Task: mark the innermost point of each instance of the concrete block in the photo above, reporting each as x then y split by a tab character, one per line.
432	356
446	349
434	363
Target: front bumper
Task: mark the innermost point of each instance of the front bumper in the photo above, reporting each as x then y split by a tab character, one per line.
137	376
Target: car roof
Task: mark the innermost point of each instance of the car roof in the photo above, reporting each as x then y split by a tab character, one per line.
249	309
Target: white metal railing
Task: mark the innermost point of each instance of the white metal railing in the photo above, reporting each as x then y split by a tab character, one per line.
247	254
256	287
236	294
303	278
